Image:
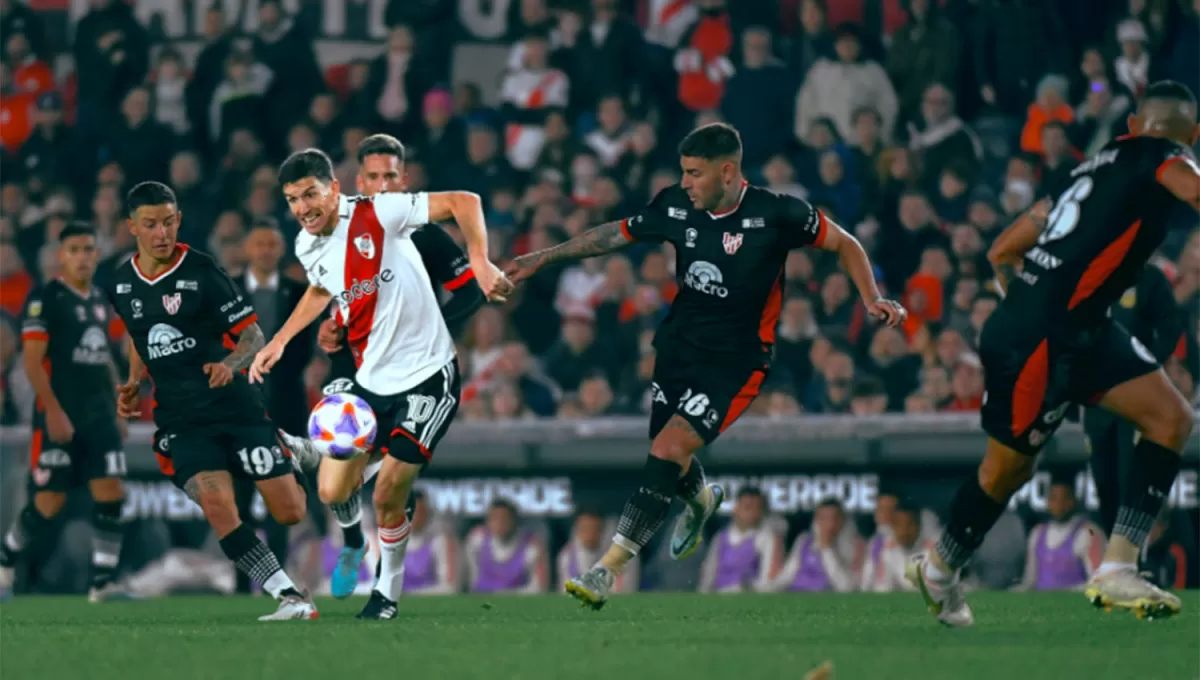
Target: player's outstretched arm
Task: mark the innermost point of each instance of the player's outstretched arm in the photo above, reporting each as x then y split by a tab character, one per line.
1182	178
601	240
312	304
1010	247
857	265
466	209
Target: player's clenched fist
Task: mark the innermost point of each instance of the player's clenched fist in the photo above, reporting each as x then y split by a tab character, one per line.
127	400
266	358
889	311
219	375
495	285
329	336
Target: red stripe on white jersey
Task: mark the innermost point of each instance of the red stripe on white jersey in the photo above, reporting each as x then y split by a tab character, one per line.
363	224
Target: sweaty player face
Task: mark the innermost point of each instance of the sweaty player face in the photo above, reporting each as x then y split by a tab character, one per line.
313	203
705	181
380	173
77	258
156	230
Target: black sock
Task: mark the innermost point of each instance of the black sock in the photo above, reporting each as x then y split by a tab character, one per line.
253	558
349	517
1150	478
352	536
648	507
22	535
972	515
106	541
691	483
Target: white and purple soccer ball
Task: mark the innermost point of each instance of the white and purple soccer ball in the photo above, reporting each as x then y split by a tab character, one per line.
342	426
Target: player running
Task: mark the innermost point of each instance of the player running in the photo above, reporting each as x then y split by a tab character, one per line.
359	251
180	308
76	436
731	240
380	169
1051	343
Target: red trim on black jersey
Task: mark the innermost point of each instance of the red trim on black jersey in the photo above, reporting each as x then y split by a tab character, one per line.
1158	174
744	398
1103	266
244	324
625	230
459	281
361	316
181	251
726	213
770	314
822	228
420	447
1029	392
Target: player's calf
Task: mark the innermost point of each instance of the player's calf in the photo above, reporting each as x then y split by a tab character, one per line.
285	499
107	534
392	487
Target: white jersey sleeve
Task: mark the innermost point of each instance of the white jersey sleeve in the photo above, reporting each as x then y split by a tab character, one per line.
400	213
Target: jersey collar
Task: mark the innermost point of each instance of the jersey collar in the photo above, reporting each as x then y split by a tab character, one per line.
727	213
181	251
82	294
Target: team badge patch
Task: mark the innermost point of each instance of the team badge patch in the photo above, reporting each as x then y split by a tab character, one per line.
366	246
732	242
101	312
171	303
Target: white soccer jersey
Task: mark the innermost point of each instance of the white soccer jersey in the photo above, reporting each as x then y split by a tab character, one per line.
394	326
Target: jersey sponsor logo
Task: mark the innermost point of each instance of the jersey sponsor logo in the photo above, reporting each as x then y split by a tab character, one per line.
338	386
732	242
813	224
657	395
231	304
35	308
165	340
677	213
93	348
100	312
1043	259
1100	159
690	237
124	288
244	311
753	223
136	305
1056	414
706	277
361	289
171	303
186	285
365	245
54	458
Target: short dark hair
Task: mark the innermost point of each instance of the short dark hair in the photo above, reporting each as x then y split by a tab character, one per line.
904	504
380	145
306	163
712	141
1169	90
148	193
747	491
76	229
505	504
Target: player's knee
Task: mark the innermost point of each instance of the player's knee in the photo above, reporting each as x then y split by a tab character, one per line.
671	448
1004	471
49	503
107	490
1177	426
335	490
292	511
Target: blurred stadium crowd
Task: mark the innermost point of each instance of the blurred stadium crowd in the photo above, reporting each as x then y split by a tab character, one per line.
923	126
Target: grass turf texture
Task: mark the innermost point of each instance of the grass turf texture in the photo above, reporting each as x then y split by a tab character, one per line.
876	637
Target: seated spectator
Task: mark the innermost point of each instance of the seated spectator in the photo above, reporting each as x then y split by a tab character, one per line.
1133	66
585	547
503	557
1064	551
837	88
611	139
870	397
1100	117
815	563
747	554
940	136
886	502
886	574
431	564
529	92
967	384
1051	104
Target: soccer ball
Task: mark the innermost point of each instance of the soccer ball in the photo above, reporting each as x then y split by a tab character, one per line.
342	426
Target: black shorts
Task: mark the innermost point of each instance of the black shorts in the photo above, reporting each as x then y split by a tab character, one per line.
95	452
1031	377
412	422
709	394
250	451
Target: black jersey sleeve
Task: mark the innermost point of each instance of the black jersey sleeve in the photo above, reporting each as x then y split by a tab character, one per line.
654	222
449	267
35	318
1157	154
802	224
230	310
1159	311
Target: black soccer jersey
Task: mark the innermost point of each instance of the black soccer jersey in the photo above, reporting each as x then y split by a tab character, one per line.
179	321
729	266
449	268
74	325
1108	218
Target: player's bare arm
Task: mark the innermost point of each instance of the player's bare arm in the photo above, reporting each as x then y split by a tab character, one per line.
58	424
249	343
857	265
127	394
311	306
600	240
1010	247
1182	178
466	209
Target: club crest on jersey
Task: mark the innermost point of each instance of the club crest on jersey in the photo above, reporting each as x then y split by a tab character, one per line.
365	245
690	237
171	303
136	305
101	313
732	242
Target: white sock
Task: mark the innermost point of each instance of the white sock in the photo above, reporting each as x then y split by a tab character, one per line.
1107	568
393	544
277	583
933	573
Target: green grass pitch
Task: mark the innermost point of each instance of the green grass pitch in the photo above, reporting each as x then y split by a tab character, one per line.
691	637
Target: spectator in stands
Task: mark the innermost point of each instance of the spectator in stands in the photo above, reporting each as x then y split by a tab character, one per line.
528	93
885	509
942	136
193	200
870	397
754	102
1100	117
395	83
16	114
1016	42
585	547
812	42
443	137
112	55
832	393
1050	105
837	88
967	383
17	17
239	98
577	353
893	361
284	46
1064	551
612	138
484	166
703	60
170	84
886	574
907	235
210	69
1058	158
747	554
596	396
605	55
935	386
815	563
1133	66
515	366
52	150
924	52
141	144
431	565
503	557
29	73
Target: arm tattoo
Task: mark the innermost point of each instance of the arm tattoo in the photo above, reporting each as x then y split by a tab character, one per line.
249	342
603	239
